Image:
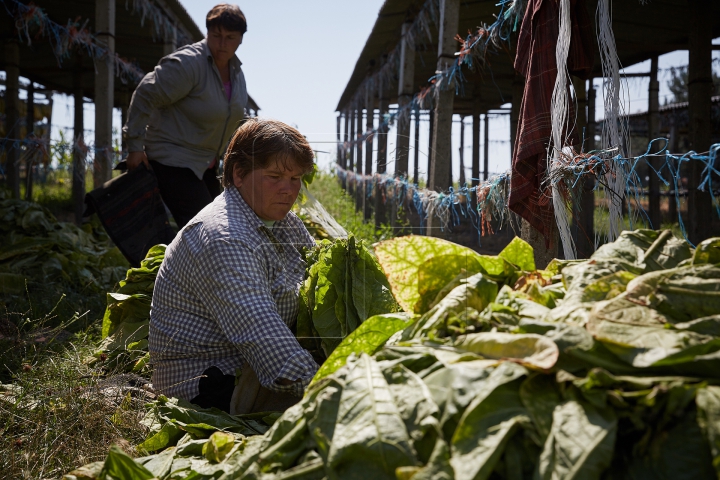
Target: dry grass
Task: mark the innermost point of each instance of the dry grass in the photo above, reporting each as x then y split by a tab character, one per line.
56	412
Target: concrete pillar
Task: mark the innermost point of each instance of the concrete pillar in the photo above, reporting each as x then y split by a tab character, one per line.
486	148
405	95
653	133
462	151
369	126
380	204
583	209
416	152
359	160
12	116
441	155
700	85
32	153
104	91
475	170
79	165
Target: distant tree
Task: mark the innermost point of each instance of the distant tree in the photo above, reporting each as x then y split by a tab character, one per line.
678	84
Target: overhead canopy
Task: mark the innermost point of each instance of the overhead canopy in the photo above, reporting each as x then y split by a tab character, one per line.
641	32
143	28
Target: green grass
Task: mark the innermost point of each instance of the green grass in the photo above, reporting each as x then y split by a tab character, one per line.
326	188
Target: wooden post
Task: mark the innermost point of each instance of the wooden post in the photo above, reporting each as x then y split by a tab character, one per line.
351	149
12	116
586	225
700	85
486	148
338	149
584	242
416	164
380	206
441	155
104	91
405	95
462	151
78	181
431	146
475	170
369	125
31	153
518	87
359	184
653	133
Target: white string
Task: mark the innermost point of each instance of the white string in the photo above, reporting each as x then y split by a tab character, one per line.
560	106
614	134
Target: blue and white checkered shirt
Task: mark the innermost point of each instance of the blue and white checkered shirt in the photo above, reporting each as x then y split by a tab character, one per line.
227	293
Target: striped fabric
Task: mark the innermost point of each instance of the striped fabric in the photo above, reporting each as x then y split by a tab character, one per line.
227	293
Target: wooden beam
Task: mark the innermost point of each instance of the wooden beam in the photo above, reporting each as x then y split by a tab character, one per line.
104	91
30	154
486	148
369	126
380	204
441	155
654	132
700	85
475	170
416	163
79	165
12	116
359	161
461	178
405	95
351	147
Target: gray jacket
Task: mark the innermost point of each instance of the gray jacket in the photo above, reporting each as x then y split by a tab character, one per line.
179	111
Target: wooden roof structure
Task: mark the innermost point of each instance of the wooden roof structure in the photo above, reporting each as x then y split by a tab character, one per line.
642	31
143	31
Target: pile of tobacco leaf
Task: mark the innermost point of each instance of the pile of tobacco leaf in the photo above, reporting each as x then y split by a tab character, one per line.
36	248
603	368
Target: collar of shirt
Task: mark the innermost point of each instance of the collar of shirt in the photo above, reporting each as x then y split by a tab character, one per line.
235	62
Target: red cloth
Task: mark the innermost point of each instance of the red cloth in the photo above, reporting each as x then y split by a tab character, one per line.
535	60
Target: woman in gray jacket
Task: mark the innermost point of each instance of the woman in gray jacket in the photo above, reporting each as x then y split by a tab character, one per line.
183	113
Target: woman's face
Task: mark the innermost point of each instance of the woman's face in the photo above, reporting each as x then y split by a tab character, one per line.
270	191
223	44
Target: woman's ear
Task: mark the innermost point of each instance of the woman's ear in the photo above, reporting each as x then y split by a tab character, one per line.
237	177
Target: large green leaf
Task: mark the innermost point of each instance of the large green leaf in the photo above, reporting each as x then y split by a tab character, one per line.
488	423
402	259
580	444
519	253
708	404
119	466
369	337
530	350
370	439
474	293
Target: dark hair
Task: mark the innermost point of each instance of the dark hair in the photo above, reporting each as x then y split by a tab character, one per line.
227	16
258	141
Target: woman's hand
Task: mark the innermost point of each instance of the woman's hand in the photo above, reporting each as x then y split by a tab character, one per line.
134	159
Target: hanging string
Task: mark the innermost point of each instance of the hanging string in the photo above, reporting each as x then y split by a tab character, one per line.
559	113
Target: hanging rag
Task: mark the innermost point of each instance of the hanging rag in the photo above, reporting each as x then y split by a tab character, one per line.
535	60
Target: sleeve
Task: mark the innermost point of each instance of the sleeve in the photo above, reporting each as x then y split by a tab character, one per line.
237	292
171	80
